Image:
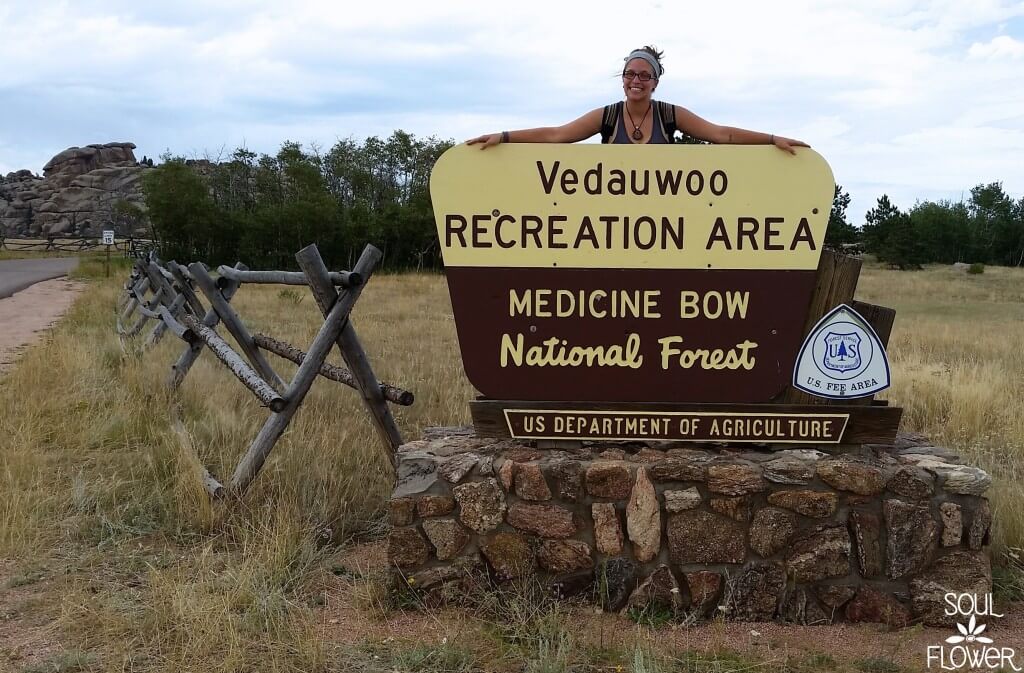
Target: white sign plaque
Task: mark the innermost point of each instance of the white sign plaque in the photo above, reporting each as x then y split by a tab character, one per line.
108	237
842	358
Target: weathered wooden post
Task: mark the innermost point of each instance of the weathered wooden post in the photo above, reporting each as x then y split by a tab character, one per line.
391	393
355	357
233	323
275	426
168	297
191	353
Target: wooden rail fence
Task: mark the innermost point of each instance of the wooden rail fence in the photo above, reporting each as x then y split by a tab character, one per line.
171	298
130	247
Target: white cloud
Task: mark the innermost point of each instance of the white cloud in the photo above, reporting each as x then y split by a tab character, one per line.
1001	46
913	97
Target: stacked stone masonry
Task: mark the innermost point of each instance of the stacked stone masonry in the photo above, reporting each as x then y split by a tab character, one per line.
872	533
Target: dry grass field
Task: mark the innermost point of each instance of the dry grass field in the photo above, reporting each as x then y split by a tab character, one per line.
112	557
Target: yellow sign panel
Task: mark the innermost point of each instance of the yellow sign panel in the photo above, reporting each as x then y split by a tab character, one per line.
619	206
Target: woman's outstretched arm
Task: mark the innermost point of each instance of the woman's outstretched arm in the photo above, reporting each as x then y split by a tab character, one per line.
574	131
701	128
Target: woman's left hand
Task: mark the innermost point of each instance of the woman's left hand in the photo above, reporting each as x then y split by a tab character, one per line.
787	144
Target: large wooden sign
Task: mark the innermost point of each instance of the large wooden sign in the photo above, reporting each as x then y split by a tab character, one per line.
612	273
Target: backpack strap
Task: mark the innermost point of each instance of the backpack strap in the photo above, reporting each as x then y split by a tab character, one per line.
608	121
667	112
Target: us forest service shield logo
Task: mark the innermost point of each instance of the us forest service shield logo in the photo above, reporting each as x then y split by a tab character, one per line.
842	358
842	352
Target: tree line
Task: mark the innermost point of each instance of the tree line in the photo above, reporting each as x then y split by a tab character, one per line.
260	209
986	228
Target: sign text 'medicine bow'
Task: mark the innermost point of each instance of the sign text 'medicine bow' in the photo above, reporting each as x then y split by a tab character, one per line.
616	273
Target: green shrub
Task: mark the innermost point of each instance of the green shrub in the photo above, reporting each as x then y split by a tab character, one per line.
976	268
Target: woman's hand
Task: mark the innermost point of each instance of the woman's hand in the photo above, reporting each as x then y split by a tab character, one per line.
787	144
486	140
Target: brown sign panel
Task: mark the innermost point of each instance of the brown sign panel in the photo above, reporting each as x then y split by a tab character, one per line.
646	335
622	274
694	426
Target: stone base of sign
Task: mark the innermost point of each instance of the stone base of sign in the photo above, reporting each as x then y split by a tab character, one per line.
875	534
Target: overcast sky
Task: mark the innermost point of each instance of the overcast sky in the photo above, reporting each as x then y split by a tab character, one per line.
917	99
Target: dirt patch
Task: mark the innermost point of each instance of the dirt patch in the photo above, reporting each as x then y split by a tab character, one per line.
350	617
25	314
29	633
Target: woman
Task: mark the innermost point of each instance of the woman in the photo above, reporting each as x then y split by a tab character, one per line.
658	121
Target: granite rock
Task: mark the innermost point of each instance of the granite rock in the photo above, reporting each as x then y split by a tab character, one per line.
816	504
912	482
506	474
564	556
800	607
871	605
549	521
835	596
960	572
616	579
481	504
705	587
912	537
607	529
820	554
847	473
509	555
677	468
447	536
568	479
530	484
697	536
609	480
435	505
771	530
680	501
795	467
407	548
952	523
737	508
866	528
735	479
757	591
977	535
659	591
401	511
643	518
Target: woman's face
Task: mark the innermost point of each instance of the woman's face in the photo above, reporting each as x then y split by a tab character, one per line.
636	89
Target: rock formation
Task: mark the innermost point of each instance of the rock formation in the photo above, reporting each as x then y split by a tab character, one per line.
83	191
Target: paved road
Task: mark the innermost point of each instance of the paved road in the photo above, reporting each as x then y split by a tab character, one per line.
17	274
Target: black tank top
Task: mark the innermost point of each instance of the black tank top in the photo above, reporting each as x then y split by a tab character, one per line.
621	136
